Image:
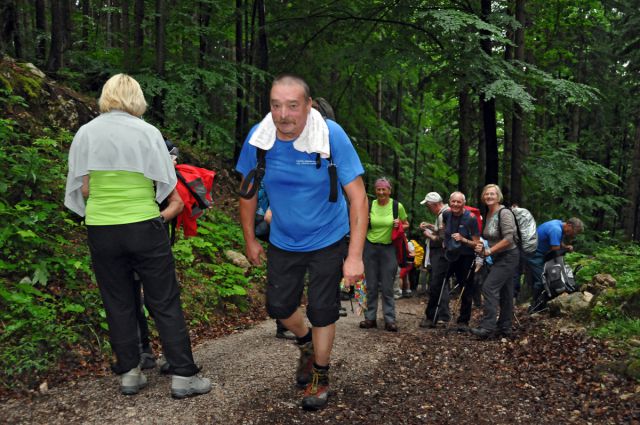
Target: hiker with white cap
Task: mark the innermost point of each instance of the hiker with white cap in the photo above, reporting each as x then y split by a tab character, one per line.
435	233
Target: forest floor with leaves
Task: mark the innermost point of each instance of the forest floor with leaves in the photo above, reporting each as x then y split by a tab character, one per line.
550	372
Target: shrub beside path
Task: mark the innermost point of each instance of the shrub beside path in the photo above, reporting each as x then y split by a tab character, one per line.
546	374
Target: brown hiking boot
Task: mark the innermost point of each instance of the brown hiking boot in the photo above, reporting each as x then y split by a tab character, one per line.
305	364
316	394
368	324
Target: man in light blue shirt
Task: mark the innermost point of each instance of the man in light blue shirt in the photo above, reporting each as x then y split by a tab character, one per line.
308	232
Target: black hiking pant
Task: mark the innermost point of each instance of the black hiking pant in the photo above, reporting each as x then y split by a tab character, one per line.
463	271
117	251
439	269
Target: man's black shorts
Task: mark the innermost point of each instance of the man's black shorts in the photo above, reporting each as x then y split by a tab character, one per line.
285	274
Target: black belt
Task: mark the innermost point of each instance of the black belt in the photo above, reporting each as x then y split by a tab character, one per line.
378	244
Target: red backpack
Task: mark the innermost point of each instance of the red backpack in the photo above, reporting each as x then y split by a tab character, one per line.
476	213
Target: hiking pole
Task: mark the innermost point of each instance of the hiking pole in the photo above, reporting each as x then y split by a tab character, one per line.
457	304
446	277
515	316
464	286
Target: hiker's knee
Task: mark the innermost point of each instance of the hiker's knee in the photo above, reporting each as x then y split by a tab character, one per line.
319	316
281	311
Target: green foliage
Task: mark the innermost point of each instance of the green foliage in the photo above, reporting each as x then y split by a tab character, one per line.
208	279
49	304
562	184
612	314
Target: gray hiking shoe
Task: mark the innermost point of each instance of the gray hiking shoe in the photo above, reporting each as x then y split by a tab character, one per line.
189	386
164	366
147	360
305	364
132	381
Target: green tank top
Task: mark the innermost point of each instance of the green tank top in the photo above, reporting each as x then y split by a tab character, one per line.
120	197
381	218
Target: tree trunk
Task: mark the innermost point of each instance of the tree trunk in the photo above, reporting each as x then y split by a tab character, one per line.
507	150
518	148
161	57
204	20
138	37
465	129
126	42
632	212
41	31
482	154
57	37
398	125
378	157
263	51
86	19
418	132
240	119
161	53
489	114
67	23
10	39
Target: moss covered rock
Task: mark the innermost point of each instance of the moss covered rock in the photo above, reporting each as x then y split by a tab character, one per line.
34	101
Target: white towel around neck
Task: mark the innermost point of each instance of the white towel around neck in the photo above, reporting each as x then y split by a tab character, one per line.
313	139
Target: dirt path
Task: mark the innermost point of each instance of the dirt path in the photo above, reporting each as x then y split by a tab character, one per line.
413	377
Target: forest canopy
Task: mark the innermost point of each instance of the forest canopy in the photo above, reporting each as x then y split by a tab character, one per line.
538	97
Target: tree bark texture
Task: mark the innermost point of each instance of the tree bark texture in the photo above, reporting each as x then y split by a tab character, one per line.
10	39
161	49
263	51
518	137
632	212
161	56
67	10
138	38
54	63
398	125
41	31
86	17
465	129
489	114
239	51
126	42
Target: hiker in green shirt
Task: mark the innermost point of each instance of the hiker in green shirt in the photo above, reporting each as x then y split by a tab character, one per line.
380	262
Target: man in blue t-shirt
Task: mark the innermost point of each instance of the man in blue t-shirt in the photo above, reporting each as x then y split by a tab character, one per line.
308	232
461	234
550	238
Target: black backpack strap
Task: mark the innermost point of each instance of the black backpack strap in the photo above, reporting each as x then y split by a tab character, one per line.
395	209
333	181
172	230
333	177
251	182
